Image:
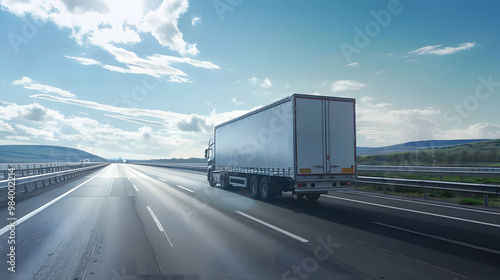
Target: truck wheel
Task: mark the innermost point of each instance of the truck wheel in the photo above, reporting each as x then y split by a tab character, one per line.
224	181
254	187
266	192
312	196
211	178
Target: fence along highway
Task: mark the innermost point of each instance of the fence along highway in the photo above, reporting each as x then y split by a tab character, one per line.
132	220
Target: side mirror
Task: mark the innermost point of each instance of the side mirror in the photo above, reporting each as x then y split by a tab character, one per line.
206	153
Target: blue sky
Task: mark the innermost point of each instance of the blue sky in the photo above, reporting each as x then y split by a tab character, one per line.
150	79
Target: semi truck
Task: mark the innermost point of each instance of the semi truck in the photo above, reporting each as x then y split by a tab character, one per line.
304	144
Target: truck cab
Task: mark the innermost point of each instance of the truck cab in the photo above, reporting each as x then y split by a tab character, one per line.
210	156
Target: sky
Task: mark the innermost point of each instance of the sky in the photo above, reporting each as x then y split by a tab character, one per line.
151	79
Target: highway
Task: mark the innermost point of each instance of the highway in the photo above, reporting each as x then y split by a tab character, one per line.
142	222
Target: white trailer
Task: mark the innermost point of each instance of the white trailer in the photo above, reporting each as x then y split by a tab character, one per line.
305	144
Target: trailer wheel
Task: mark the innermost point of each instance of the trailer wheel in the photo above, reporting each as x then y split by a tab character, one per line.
254	187
266	192
211	178
312	196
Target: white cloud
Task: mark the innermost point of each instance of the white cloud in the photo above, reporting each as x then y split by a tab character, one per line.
411	60
84	60
156	65
343	85
31	112
89	134
169	119
194	124
136	120
438	50
378	72
476	131
5	127
254	80
162	23
195	21
354	64
266	83
378	123
111	21
366	101
28	83
19	138
46	132
236	101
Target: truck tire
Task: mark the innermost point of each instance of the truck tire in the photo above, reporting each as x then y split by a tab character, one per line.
224	181
254	187
312	196
266	193
210	178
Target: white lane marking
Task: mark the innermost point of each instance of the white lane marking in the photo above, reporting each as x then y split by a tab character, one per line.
410	258
191	191
179	186
39	209
111	187
274	227
136	189
160	227
427	203
415	211
442	238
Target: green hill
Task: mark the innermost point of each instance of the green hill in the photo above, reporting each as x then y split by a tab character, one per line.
43	153
470	154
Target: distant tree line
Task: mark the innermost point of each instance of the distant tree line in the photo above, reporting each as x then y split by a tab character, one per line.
434	157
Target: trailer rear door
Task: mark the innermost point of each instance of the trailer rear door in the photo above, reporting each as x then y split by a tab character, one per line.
325	136
341	137
310	133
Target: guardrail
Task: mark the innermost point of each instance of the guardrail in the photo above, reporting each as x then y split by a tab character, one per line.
28	169
192	167
484	189
42	180
461	172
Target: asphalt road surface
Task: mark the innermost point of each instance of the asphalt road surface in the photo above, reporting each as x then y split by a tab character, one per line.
140	222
